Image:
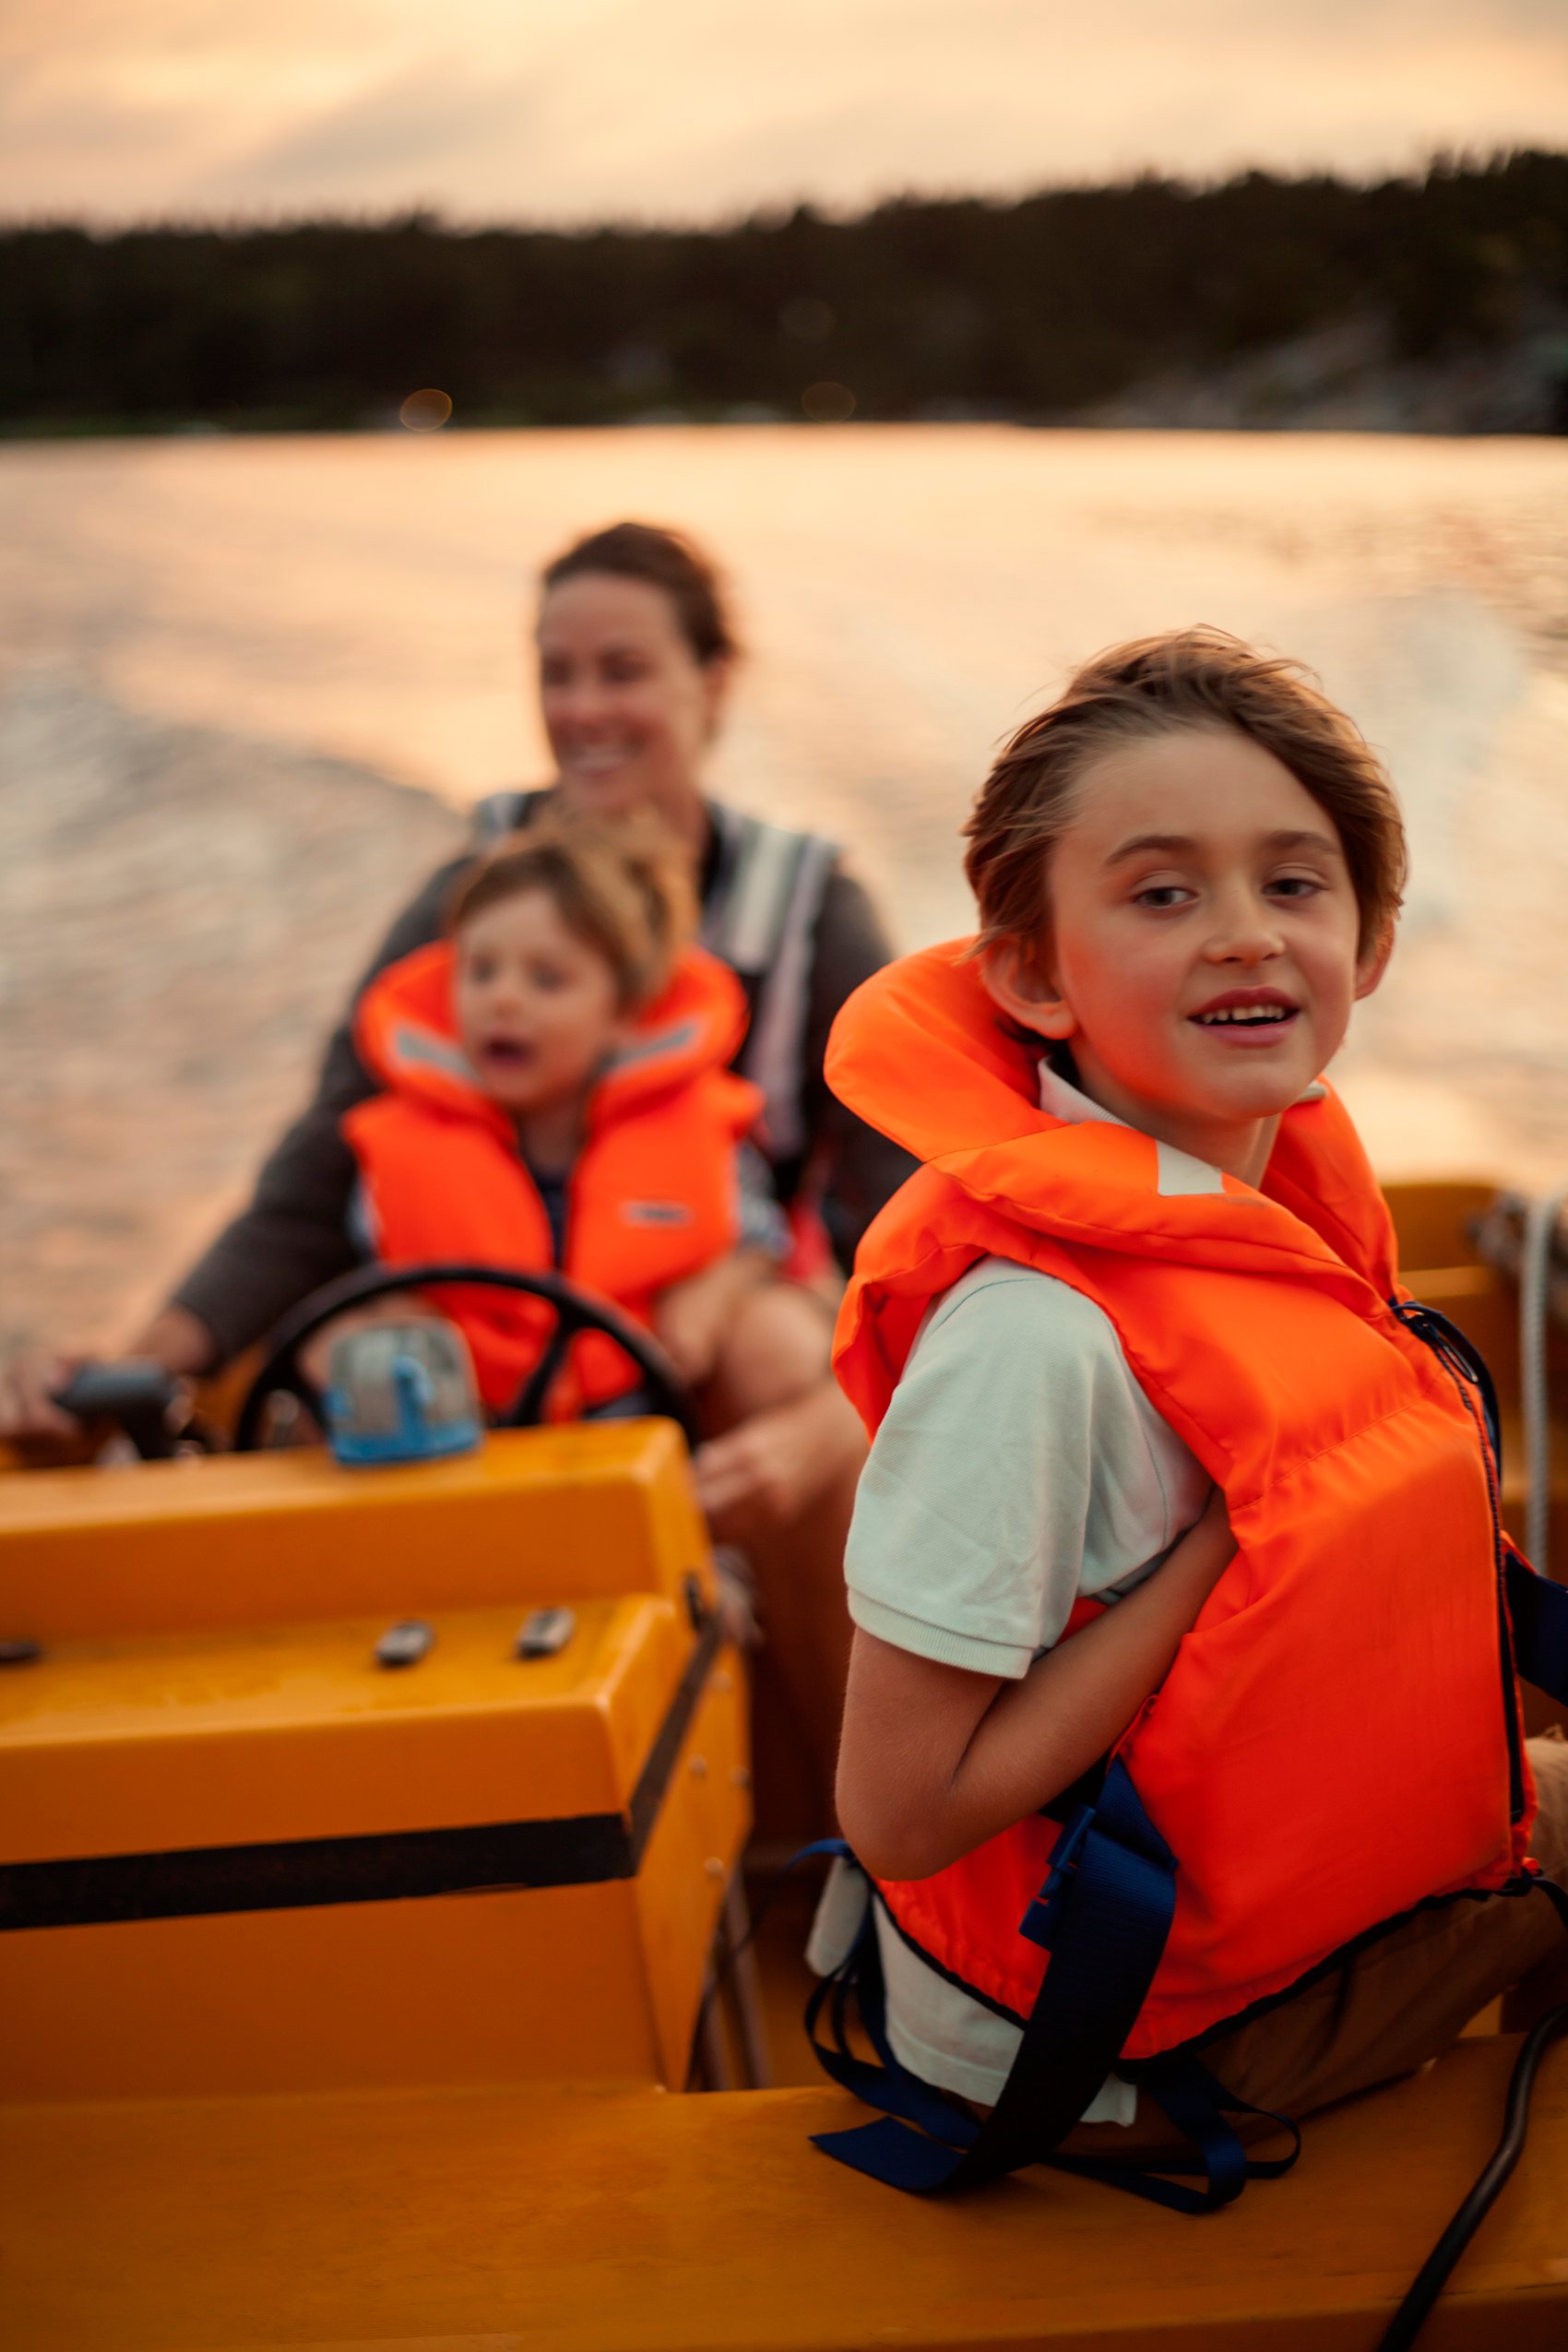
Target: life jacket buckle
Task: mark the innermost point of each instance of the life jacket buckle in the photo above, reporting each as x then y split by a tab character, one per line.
1040	1920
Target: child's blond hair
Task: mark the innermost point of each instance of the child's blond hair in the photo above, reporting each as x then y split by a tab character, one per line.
1189	678
623	888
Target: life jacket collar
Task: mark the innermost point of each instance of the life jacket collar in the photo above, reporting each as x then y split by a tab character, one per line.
406	1031
921	1052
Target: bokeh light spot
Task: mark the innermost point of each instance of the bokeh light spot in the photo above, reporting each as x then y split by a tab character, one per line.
807	319
425	411
828	403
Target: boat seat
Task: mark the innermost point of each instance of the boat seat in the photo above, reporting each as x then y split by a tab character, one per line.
481	2221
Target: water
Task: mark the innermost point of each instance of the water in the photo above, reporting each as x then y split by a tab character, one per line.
223	656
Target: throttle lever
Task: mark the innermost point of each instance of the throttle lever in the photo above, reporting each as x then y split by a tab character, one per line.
135	1391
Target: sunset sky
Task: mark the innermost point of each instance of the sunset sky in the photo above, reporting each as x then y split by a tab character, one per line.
570	110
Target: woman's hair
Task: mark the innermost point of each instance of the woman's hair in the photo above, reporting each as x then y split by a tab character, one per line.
666	560
1189	678
625	889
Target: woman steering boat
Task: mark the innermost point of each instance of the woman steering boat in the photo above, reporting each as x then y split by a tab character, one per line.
636	658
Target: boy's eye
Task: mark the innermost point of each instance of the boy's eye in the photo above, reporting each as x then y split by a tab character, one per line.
547	977
624	669
481	968
1161	894
1295	886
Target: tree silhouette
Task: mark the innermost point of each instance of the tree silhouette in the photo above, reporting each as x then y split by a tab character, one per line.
918	309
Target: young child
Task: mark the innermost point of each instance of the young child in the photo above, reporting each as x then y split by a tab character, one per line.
1140	1371
556	1096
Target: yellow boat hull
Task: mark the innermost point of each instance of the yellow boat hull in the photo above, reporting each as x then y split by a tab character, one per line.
442	2119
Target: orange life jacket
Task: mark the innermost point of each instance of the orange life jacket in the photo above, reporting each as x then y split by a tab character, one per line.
653	1197
1338	1736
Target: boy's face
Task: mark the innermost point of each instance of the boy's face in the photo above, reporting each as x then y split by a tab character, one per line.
1203	958
536	1005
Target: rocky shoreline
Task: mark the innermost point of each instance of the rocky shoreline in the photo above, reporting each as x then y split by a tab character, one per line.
1348	377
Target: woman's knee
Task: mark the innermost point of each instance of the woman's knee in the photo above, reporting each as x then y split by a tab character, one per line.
776	1348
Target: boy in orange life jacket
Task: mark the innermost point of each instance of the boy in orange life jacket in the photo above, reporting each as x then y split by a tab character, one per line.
557	1096
1129	1337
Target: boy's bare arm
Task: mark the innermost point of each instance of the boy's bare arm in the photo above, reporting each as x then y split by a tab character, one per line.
935	1759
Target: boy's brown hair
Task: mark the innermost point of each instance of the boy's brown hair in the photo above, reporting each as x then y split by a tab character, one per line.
625	889
1191	678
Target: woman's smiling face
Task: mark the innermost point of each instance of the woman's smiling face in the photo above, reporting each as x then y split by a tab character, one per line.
1203	953
628	708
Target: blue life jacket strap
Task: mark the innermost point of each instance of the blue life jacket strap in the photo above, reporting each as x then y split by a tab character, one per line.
1538	1611
887	2086
1199	2106
1104	1913
1557	1895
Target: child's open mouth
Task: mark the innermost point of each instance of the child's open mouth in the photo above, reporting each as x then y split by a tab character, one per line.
506	1052
1248	1015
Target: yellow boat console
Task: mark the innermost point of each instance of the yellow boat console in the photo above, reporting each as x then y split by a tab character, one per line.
240	1850
351	1947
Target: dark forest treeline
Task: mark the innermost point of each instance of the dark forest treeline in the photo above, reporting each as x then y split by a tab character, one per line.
918	309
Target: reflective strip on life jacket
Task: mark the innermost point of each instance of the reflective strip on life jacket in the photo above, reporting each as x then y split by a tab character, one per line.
775	941
502	813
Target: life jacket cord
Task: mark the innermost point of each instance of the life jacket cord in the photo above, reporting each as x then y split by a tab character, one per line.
1484	2191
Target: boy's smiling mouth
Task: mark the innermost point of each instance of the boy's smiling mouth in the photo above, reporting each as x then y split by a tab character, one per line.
1256	1014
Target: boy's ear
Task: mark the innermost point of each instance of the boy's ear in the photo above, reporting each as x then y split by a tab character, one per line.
1372	962
1019	984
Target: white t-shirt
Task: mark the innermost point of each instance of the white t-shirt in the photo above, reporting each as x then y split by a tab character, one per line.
1019	1464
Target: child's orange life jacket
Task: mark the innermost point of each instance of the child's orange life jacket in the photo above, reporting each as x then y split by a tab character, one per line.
652	1198
1338	1737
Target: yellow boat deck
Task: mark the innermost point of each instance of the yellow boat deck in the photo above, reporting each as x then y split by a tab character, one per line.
595	2219
449	2124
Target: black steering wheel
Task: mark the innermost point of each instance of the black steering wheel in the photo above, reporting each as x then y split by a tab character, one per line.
576	1310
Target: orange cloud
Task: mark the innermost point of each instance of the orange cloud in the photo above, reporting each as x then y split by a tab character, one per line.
575	108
